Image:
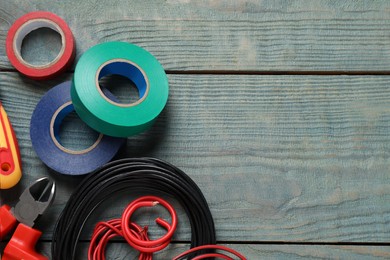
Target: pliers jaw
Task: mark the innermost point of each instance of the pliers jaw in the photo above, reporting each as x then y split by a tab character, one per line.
34	201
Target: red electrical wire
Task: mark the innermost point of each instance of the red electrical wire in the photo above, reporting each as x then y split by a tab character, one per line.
206	255
136	236
152	245
104	231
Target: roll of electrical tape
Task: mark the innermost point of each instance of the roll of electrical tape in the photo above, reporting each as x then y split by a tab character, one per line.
110	117
44	129
28	23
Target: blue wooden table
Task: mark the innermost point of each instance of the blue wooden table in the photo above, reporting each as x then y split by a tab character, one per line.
279	110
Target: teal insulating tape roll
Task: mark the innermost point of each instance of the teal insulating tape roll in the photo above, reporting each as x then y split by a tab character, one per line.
110	117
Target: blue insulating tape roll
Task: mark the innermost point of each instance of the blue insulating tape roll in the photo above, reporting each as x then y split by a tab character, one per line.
54	106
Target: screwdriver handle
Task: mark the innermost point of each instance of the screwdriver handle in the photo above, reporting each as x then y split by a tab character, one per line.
22	244
10	164
7	221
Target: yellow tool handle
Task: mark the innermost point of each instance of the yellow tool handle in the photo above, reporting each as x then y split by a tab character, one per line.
10	164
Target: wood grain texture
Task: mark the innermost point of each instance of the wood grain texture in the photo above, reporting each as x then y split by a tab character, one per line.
123	251
192	35
279	158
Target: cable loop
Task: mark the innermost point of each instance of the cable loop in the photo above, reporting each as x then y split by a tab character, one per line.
138	175
104	231
148	246
136	236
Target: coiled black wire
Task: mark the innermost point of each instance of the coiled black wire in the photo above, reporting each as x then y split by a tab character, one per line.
139	175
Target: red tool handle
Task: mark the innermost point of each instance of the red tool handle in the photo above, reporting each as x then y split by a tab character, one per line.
7	221
22	244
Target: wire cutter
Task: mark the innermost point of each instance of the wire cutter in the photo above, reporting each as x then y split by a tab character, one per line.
33	202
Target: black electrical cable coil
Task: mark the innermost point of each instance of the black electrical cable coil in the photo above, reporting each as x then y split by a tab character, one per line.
136	174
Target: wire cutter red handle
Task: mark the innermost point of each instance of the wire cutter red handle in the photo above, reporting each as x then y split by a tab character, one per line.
32	203
22	244
7	221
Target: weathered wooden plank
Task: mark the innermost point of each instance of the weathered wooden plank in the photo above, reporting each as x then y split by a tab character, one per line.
123	251
279	158
225	35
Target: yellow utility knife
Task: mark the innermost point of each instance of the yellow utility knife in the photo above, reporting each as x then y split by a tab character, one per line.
10	164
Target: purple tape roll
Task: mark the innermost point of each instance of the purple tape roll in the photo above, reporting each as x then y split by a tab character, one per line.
54	106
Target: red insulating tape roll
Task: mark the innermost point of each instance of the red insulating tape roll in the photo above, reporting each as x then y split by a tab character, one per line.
28	23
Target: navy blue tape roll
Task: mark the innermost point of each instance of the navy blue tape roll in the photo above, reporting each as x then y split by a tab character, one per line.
54	106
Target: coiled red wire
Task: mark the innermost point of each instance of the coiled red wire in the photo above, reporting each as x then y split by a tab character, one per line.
104	231
135	235
140	175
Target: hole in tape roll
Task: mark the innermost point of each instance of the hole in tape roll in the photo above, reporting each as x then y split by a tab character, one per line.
123	88
110	75
41	47
70	133
39	43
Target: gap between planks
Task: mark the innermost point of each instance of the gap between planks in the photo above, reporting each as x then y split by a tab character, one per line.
270	73
297	243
